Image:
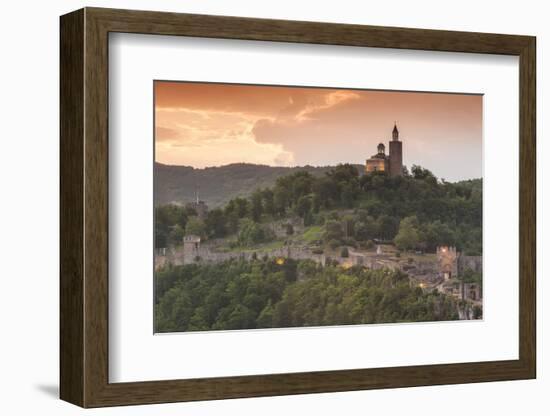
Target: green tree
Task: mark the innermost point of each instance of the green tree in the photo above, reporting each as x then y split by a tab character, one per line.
241	317
423	174
333	230
303	206
265	319
367	229
195	226
281	199
176	234
252	233
256	208
437	233
408	236
388	226
215	223
269	201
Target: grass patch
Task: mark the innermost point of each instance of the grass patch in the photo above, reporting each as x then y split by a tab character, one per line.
259	248
312	234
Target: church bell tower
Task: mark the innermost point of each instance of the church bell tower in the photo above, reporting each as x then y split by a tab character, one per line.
396	154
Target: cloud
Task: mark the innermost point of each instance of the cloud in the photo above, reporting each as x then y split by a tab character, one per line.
165	134
213	124
330	100
319	124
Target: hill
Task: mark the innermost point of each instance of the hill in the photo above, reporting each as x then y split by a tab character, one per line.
217	185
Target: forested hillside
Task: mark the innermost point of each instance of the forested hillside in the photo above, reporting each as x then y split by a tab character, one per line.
264	294
217	185
415	211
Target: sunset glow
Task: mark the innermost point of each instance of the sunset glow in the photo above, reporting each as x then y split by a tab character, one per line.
206	124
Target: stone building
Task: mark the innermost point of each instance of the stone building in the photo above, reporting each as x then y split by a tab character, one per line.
191	248
378	162
470	291
447	259
392	163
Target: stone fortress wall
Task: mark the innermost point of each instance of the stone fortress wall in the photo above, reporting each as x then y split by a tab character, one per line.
439	272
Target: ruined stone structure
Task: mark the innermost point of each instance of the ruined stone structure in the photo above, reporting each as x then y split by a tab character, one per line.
452	265
392	163
470	291
193	252
474	263
441	272
448	264
200	207
191	249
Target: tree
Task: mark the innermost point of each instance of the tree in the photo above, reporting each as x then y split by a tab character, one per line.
423	174
176	234
240	318
344	173
438	234
303	206
309	219
367	229
195	226
238	206
215	223
301	184
161	239
408	236
348	195
344	252
327	190
269	202
388	226
281	199
252	233
256	208
265	319
166	218
333	230
348	225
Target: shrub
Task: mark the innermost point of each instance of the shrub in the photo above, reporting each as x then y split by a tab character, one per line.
252	233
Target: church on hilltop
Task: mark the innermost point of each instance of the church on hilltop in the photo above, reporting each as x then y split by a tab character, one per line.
392	163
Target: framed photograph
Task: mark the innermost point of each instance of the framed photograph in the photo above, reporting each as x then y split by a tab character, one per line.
255	207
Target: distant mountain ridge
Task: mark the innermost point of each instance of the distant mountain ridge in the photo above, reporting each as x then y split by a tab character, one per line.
217	185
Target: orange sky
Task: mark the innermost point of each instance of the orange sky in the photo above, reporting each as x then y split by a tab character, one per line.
202	124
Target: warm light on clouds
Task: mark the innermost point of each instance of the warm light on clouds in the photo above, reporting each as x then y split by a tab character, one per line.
205	124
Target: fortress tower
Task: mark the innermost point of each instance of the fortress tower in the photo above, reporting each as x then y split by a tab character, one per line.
191	248
396	154
447	258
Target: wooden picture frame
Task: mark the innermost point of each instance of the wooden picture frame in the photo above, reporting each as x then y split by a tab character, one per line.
84	207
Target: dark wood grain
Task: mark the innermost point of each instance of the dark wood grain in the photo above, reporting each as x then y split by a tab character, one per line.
527	207
71	185
84	207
